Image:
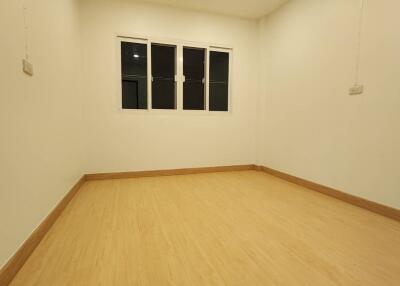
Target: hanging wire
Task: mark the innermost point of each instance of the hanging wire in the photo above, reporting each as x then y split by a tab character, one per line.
360	26
26	29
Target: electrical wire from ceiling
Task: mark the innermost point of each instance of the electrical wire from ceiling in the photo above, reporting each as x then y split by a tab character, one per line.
359	40
26	30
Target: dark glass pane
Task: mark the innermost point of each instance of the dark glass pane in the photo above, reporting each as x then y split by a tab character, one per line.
219	77
130	94
163	94
193	63
193	87
219	66
134	75
163	60
193	95
163	68
218	96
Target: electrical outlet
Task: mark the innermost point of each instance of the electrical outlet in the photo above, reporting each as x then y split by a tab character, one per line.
356	90
27	67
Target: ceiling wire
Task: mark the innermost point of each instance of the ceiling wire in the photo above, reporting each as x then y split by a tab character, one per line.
360	26
26	30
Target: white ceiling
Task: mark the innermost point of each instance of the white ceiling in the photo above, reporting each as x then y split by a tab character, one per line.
252	9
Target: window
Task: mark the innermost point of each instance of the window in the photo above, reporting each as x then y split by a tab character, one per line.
194	81
156	75
163	69
134	75
219	81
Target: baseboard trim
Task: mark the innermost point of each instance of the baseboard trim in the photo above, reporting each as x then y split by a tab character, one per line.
11	268
354	200
171	172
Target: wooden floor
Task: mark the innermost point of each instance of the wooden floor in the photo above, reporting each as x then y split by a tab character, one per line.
236	228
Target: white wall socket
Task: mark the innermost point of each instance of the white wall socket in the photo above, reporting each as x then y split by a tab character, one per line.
27	67
356	89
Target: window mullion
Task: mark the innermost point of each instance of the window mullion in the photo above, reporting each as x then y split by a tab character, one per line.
207	75
180	77
149	77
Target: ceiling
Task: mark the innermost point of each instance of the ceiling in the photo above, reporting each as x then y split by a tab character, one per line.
251	9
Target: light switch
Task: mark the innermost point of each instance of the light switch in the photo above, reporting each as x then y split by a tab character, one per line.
27	67
356	90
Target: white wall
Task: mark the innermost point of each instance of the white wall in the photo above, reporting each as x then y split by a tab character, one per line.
127	141
40	117
311	127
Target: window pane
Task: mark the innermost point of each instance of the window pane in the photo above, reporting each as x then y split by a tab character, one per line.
219	77
134	75
218	97
193	87
163	69
163	94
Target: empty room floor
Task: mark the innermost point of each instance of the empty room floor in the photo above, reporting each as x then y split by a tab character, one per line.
228	228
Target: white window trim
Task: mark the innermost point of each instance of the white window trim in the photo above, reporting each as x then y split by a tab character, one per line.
179	75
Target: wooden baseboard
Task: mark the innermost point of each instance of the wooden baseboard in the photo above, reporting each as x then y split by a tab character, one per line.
11	268
171	172
354	200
